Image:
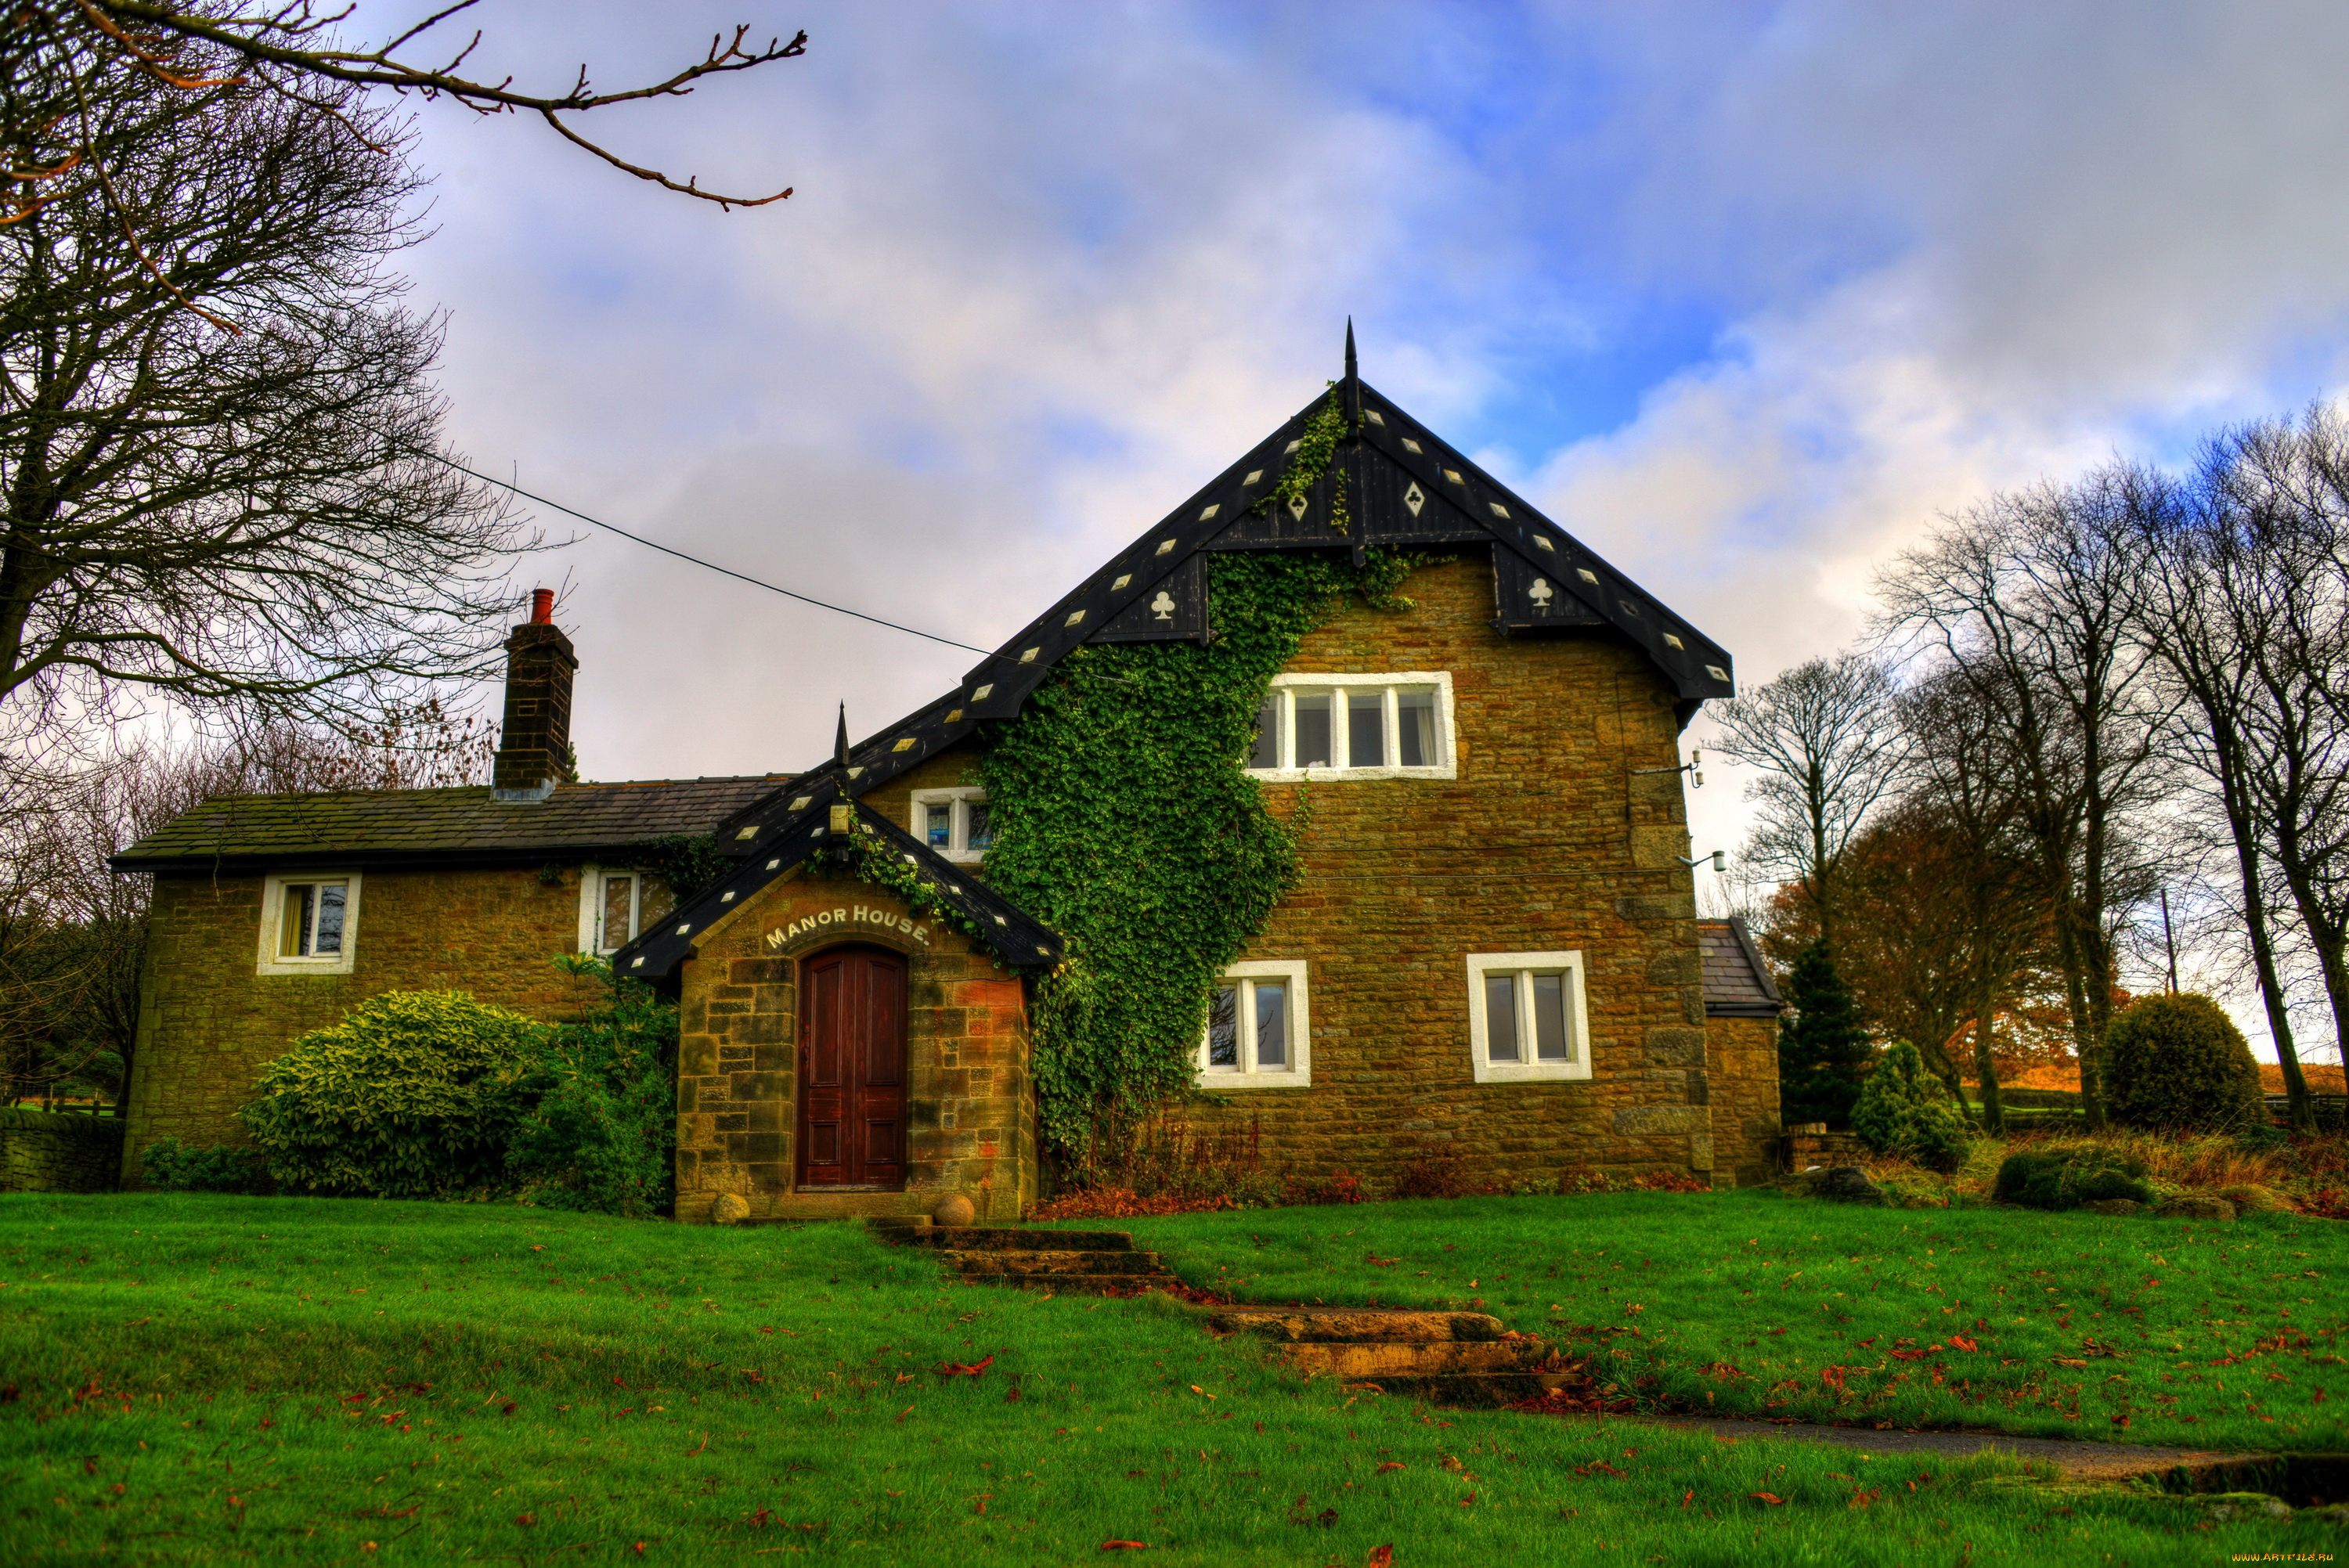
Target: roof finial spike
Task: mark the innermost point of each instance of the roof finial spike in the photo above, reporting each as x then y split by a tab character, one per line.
840	740
1353	379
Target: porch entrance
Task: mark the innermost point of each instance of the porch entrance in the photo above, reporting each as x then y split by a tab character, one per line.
851	1121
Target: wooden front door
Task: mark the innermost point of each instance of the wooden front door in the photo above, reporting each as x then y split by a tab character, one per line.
853	1068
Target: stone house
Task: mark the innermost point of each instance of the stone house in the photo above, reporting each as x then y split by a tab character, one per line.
1492	955
274	914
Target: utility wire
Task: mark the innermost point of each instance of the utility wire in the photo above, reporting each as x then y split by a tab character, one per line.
696	560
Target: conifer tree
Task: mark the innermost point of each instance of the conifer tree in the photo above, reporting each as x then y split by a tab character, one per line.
1821	1045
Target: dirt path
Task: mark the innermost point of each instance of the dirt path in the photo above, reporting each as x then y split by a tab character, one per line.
2079	1460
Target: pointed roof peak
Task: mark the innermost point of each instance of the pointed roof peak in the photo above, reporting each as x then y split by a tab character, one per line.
1353	378
1352	373
840	740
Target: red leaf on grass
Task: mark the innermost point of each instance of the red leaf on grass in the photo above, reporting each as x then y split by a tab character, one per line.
2120	1420
1769	1499
1688	1497
1390	1465
1125	1546
1383	1556
956	1369
1963	1343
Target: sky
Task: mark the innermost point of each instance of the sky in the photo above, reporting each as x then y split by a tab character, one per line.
1744	296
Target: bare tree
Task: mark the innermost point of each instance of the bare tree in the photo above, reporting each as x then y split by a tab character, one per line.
258	521
2031	603
57	55
1829	750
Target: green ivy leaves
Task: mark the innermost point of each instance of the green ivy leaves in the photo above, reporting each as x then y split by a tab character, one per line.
1123	819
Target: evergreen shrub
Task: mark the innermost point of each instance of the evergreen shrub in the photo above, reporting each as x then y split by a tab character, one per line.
2067	1177
601	1135
2178	1064
414	1094
1905	1110
169	1165
1822	1049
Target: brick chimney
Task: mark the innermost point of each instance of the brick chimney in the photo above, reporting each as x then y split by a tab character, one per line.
535	748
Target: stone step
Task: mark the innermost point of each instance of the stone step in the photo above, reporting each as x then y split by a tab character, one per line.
999	1239
1460	1390
1074	1285
1378	1362
1061	1263
1354	1324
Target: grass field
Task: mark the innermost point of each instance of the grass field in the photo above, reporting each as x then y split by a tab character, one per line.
1755	1303
188	1378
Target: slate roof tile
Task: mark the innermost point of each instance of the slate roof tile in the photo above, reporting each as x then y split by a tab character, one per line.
1737	983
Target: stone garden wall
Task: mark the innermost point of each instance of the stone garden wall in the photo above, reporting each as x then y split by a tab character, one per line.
41	1152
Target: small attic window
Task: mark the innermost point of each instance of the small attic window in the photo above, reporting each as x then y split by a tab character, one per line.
955	823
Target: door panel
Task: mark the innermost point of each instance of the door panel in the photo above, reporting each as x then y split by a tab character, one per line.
853	1068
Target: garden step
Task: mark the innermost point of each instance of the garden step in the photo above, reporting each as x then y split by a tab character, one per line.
994	1239
1075	1285
1378	1361
1054	1262
1342	1324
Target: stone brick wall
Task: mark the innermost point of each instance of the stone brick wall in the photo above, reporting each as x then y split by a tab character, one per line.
970	1100
1744	1091
41	1152
208	1023
1547	840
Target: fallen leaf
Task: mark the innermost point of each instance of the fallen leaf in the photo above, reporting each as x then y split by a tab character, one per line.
1383	1556
956	1369
526	1519
1125	1546
1963	1343
1390	1465
1770	1499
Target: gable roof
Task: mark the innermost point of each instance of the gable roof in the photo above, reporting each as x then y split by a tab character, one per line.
1404	485
1737	983
467	825
775	842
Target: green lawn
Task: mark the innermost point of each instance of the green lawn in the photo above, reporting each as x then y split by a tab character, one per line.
1757	1302
188	1378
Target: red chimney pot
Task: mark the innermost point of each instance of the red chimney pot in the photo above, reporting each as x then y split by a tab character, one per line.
542	606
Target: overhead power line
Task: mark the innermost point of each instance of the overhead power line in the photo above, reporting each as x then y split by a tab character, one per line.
697	561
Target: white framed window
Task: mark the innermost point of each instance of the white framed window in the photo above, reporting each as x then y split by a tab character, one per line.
954	822
309	923
614	904
1356	727
1257	1029
1526	1019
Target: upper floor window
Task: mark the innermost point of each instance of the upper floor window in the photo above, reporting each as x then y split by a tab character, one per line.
954	822
1526	1016
1356	727
1256	1035
615	904
309	923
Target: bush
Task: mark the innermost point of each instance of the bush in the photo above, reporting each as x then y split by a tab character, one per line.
1906	1111
414	1094
2178	1064
601	1135
2067	1177
172	1166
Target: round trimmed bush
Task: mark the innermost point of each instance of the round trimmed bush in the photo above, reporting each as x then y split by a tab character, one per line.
2178	1064
1905	1110
414	1094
